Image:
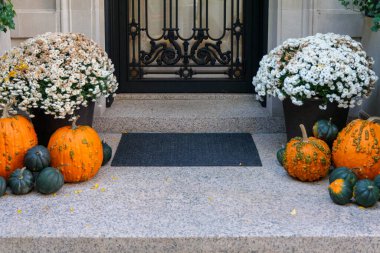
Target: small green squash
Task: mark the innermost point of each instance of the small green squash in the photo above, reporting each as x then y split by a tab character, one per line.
340	191
376	181
280	155
3	186
325	130
366	193
37	158
107	153
21	181
50	180
343	173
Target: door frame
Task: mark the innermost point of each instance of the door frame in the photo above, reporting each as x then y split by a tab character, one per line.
116	29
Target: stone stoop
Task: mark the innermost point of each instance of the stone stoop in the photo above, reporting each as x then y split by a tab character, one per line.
187	113
189	210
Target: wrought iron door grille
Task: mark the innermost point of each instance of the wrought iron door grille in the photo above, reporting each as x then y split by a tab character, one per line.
211	48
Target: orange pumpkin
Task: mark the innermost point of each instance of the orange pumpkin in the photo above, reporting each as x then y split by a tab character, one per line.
77	152
357	147
307	159
17	135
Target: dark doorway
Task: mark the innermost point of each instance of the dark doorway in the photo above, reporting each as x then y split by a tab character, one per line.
186	45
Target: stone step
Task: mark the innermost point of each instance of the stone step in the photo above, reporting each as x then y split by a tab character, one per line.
187	113
189	210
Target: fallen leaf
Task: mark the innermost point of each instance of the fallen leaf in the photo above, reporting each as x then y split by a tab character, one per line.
210	199
55	195
67	194
293	212
96	186
71	209
78	191
103	189
19	211
114	178
362	207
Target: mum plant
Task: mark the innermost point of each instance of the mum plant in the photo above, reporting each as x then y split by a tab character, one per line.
58	73
328	67
370	8
7	14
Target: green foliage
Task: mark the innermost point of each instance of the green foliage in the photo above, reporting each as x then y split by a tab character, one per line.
7	14
370	8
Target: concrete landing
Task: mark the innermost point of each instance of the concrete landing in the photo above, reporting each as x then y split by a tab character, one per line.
189	209
187	113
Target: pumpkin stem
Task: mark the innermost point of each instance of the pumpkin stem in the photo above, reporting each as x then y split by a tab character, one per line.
74	124
372	119
304	133
22	173
7	107
5	112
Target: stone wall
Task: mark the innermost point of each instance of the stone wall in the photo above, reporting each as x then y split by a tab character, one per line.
40	16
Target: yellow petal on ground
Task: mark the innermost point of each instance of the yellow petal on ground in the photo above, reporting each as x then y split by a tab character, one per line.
71	209
210	199
362	207
67	194
103	189
78	191
114	178
54	194
96	186
293	212
19	211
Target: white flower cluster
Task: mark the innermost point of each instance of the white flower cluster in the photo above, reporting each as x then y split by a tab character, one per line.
329	67
14	88
59	74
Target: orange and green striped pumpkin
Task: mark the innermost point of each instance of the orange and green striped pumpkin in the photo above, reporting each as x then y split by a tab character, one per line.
77	152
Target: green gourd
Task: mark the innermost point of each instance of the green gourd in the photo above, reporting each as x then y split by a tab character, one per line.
340	191
3	186
37	158
325	130
50	180
107	153
343	173
21	181
376	181
280	155
366	193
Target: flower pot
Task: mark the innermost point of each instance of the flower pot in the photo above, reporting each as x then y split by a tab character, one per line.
45	125
371	43
308	114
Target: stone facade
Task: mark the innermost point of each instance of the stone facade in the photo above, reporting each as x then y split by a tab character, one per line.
287	18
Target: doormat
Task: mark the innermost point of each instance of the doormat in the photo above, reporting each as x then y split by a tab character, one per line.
186	149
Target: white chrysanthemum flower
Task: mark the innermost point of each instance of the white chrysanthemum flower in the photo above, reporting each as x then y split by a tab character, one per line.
329	67
56	72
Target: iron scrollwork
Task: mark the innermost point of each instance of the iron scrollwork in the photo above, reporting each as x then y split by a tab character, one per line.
185	54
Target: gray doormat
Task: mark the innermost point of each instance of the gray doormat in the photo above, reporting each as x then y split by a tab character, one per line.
168	149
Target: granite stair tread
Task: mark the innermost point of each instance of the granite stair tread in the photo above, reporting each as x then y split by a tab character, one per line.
188	113
189	209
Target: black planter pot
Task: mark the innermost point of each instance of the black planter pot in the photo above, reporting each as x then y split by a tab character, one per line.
46	125
308	114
